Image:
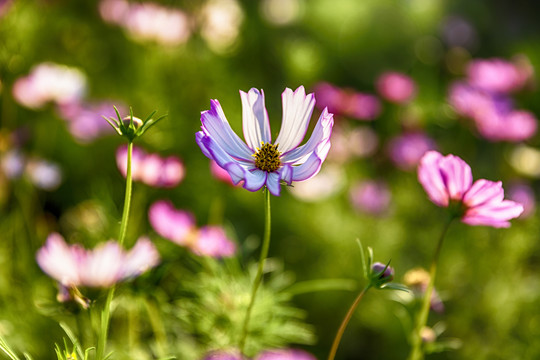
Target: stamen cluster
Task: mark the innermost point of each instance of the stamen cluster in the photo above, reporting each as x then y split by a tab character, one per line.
267	157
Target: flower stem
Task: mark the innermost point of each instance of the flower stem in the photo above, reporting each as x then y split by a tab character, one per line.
106	313
345	322
258	277
417	351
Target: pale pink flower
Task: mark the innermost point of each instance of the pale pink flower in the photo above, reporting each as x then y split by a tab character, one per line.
496	75
347	102
396	87
49	82
523	194
179	227
102	267
219	173
448	182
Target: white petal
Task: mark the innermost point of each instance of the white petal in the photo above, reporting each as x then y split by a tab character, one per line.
297	110
318	142
215	124
255	121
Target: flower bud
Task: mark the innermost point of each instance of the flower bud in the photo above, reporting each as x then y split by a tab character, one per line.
381	274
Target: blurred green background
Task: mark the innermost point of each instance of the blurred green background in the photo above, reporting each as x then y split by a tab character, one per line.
488	278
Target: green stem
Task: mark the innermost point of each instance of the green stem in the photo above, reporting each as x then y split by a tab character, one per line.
417	351
158	327
106	314
258	277
345	322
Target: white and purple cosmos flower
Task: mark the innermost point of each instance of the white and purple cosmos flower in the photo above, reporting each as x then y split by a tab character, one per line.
73	266
257	161
448	182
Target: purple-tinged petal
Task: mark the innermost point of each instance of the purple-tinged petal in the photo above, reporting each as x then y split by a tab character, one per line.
273	183
297	110
57	260
215	125
199	137
286	173
254	180
142	257
429	175
493	214
255	121
285	354
482	192
317	142
457	176
308	169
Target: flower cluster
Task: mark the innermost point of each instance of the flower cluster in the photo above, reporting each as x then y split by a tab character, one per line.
179	227
151	168
258	162
485	97
448	182
107	264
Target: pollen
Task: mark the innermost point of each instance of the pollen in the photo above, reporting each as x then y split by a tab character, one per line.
267	157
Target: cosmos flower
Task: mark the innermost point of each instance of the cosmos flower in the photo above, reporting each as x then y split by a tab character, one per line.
258	161
347	102
448	182
371	197
396	87
102	267
407	149
179	227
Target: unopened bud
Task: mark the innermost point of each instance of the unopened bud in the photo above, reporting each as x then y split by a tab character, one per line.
428	335
136	121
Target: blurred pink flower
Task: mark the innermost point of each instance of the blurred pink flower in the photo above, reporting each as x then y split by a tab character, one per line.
346	102
151	169
371	197
43	174
407	149
12	164
102	267
285	354
49	82
448	182
494	114
497	75
219	173
523	194
223	355
85	120
179	227
396	87
347	144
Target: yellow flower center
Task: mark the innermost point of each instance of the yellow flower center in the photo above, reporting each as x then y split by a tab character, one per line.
267	157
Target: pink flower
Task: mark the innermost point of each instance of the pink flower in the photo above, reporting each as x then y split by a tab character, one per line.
407	149
219	173
523	194
106	265
396	87
151	169
347	102
179	227
285	354
496	75
372	197
448	182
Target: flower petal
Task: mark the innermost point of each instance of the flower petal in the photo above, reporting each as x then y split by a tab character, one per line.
140	258
429	175
215	125
286	173
319	141
308	169
170	223
483	191
254	180
493	214
272	183
58	261
297	110
457	176
255	121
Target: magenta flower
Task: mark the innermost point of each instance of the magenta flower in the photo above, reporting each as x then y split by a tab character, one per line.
407	149
396	87
523	194
260	162
448	182
102	267
285	354
179	227
372	197
497	75
151	169
347	102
